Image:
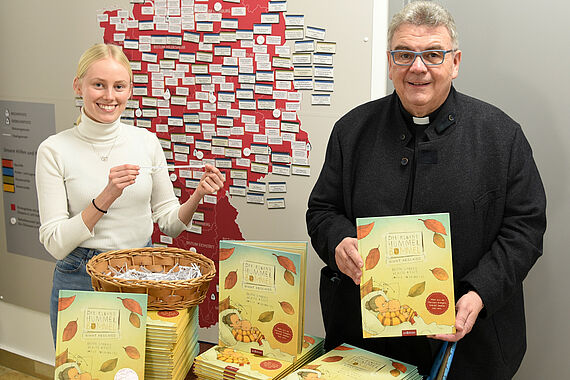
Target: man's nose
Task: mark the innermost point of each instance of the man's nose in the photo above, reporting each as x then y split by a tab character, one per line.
418	64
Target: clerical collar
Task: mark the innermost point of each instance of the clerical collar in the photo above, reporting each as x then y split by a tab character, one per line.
413	121
420	120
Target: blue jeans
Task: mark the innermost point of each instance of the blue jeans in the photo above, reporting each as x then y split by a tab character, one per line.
71	274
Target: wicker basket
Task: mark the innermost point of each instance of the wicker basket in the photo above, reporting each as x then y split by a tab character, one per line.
161	294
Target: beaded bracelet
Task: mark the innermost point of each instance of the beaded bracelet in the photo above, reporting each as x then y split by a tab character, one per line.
98	209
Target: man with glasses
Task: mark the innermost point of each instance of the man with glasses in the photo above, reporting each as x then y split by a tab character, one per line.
427	148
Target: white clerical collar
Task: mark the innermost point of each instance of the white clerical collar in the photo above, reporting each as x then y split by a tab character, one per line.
420	120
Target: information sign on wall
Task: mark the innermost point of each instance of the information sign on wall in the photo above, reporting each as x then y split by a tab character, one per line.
24	126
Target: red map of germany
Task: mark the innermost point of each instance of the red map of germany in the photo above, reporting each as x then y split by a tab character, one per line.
221	82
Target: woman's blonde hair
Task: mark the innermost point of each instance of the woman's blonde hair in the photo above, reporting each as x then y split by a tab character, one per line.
97	52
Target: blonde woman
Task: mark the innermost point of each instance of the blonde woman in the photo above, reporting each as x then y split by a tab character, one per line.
94	191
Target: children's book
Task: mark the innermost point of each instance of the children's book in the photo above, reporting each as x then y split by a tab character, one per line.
262	297
406	287
223	362
349	362
101	334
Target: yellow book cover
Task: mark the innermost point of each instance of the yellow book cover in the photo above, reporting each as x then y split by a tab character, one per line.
349	362
169	319
237	364
406	287
234	363
100	335
167	326
261	293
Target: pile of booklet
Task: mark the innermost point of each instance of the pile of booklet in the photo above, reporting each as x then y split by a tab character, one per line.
171	343
226	363
349	362
261	313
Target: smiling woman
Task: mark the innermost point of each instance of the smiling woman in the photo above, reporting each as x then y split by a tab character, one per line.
105	88
103	73
92	195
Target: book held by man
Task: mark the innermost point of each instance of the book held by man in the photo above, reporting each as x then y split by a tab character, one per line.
406	287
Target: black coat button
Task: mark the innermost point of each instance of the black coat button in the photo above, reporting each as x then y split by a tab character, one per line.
404	161
403	136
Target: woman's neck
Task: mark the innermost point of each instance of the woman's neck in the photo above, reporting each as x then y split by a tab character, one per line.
98	132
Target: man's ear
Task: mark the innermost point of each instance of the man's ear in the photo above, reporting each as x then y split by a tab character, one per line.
456	61
389	58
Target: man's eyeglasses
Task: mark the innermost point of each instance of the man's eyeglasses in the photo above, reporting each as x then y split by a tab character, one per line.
428	57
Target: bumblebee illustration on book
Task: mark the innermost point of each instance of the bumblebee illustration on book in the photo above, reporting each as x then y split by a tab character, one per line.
407	280
390	312
242	330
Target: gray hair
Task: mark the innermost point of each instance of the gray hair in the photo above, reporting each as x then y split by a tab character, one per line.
425	13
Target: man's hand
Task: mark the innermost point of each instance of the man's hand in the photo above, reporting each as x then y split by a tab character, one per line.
348	259
467	309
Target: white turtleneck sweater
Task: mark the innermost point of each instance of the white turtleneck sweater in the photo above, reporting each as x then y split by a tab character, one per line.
70	172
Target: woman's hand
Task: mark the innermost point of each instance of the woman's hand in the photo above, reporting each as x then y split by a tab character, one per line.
212	180
119	178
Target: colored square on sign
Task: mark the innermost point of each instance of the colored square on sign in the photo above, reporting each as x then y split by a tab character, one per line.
13	207
7	163
8	188
8	171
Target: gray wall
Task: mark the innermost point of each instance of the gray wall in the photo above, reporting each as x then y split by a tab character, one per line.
516	56
41	42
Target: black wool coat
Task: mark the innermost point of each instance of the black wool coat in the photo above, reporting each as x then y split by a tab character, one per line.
475	163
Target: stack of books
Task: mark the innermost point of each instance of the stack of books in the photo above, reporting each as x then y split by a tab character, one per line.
349	362
261	313
226	363
171	343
